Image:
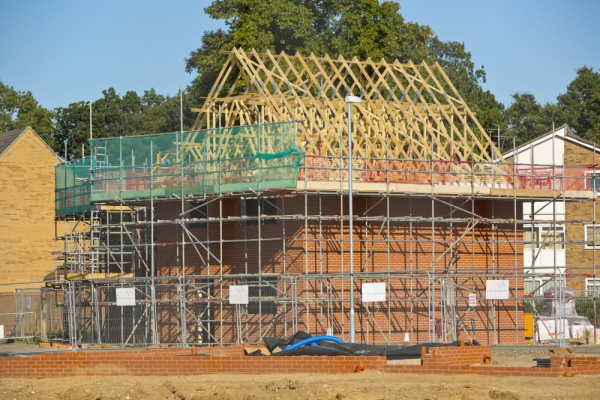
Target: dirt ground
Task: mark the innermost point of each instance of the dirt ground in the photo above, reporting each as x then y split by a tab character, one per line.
363	385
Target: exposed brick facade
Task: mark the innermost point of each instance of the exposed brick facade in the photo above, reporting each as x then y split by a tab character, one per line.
27	207
580	258
315	247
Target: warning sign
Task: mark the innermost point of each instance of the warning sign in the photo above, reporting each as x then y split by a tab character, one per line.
472	300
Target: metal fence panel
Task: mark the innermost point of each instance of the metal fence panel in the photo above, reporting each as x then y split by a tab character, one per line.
390	308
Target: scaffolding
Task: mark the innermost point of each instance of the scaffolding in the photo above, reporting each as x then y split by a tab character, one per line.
437	244
182	218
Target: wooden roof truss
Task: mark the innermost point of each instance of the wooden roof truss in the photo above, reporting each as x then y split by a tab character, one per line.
409	111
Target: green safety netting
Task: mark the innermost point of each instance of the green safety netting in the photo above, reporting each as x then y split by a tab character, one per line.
211	161
72	187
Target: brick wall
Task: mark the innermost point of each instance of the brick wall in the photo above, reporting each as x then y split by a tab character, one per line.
166	362
576	155
314	247
579	258
27	207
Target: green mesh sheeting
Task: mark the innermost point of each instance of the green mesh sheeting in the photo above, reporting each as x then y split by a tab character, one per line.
72	187
211	161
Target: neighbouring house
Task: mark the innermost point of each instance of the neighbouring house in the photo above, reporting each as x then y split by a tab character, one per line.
27	206
562	240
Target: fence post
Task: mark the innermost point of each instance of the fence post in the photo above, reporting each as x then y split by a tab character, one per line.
182	310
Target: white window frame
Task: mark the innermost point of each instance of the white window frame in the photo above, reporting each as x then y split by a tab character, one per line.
538	280
588	241
537	239
589	175
592	283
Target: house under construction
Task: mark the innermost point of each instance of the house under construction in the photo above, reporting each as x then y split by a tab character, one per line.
245	226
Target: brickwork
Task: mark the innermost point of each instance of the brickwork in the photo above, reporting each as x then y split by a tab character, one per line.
219	360
314	247
576	155
579	257
322	247
27	206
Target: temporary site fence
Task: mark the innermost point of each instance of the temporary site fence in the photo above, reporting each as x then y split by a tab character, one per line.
19	313
405	307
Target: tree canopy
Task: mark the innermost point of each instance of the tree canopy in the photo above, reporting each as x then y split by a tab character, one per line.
114	115
578	107
20	109
350	28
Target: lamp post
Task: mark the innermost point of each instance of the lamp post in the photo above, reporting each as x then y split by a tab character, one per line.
350	100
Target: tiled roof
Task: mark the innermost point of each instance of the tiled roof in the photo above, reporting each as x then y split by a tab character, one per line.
8	138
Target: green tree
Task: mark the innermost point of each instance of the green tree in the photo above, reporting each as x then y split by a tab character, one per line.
8	106
527	119
368	29
151	116
457	63
277	25
361	28
114	115
580	105
170	112
20	109
72	126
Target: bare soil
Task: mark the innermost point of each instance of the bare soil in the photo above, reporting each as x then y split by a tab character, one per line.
364	385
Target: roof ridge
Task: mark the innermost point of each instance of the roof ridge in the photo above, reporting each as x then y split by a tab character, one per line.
8	138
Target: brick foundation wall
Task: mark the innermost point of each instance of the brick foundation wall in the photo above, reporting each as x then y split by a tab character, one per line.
220	360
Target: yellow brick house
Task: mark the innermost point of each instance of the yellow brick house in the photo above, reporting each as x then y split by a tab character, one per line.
564	234
26	206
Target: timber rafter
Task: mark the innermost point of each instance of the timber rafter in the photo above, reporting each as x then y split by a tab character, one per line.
409	111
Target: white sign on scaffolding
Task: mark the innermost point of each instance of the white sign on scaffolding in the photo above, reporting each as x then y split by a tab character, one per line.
372	292
238	294
472	300
125	296
496	289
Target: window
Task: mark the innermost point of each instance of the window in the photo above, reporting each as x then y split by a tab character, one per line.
592	287
592	235
263	288
250	208
544	237
117	234
537	286
530	237
593	182
196	210
119	238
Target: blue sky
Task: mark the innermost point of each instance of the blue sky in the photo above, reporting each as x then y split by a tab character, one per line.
65	51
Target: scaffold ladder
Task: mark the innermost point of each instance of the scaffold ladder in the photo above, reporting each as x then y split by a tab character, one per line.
95	237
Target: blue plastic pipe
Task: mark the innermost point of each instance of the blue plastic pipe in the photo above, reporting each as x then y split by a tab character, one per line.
313	341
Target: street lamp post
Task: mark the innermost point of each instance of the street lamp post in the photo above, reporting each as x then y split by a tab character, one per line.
350	100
